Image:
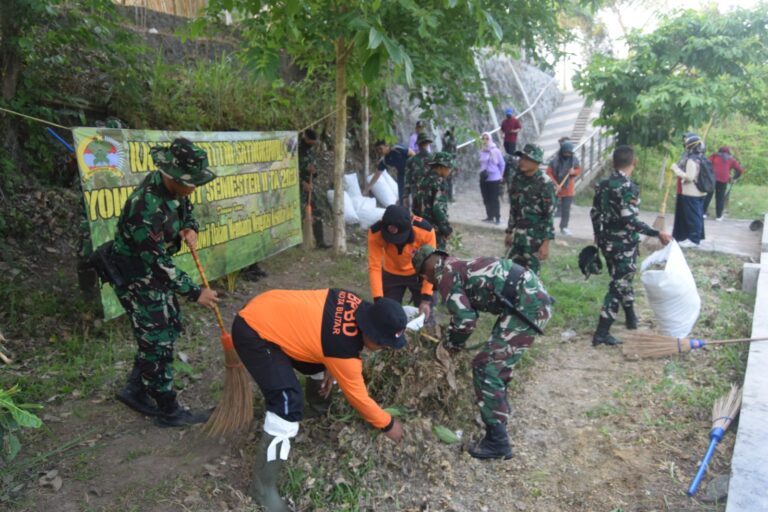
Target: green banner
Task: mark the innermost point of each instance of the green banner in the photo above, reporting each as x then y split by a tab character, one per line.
248	213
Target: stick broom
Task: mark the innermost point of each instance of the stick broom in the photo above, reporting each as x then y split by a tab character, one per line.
235	409
648	344
307	227
724	411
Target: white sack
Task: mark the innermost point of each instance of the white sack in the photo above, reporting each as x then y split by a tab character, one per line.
351	186
385	189
350	215
363	203
369	216
671	292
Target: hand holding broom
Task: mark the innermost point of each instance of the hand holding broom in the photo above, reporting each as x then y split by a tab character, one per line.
724	411
648	344
235	409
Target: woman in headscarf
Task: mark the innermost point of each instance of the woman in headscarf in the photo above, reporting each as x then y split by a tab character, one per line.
563	169
689	212
491	170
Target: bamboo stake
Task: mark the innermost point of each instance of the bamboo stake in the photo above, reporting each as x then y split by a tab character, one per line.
235	409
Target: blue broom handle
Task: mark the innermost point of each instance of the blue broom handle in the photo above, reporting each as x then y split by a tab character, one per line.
715	436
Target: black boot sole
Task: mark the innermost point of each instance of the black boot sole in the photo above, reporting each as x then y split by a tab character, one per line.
137	406
483	456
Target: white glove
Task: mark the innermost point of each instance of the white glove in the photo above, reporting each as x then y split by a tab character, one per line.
410	312
416	324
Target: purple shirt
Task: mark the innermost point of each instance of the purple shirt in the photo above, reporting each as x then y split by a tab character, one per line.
415	147
491	160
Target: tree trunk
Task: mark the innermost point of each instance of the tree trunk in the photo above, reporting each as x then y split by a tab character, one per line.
340	149
10	71
366	140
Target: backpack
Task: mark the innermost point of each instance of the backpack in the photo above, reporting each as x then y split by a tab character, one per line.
705	181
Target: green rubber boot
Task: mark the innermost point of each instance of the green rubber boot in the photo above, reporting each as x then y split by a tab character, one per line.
263	488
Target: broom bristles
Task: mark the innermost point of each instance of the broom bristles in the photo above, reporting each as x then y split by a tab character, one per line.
725	408
644	344
235	409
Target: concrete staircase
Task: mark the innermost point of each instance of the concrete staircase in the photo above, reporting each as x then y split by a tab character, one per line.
573	119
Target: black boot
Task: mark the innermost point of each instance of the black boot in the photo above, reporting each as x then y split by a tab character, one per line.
495	444
135	396
316	404
172	414
629	317
317	230
602	334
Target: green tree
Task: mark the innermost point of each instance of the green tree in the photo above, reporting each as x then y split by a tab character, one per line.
694	67
426	45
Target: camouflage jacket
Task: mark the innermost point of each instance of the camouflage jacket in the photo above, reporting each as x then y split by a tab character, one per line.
532	205
148	235
431	202
614	211
468	286
307	161
415	170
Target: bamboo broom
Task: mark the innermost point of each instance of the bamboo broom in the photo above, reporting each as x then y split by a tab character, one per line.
235	409
724	411
648	344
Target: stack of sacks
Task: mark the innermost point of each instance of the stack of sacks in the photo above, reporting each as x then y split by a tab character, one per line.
356	207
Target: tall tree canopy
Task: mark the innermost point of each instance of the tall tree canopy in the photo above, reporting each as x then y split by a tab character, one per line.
428	45
696	65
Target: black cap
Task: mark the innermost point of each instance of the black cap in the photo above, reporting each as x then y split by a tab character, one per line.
384	322
396	224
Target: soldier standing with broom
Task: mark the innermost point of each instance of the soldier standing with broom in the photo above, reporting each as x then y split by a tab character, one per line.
617	227
156	218
500	287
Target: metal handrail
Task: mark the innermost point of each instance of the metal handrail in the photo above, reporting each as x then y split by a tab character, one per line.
524	112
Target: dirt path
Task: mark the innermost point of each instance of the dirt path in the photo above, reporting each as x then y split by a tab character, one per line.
591	431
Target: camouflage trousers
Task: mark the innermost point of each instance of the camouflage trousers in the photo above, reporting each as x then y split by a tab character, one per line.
523	250
492	367
319	204
156	320
621	260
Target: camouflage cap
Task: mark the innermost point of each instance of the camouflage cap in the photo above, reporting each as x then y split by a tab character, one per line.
531	152
183	162
442	158
590	262
423	138
421	255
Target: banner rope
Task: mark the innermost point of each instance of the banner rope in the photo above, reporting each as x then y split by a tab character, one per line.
34	118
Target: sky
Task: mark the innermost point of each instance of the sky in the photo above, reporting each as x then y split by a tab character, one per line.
642	16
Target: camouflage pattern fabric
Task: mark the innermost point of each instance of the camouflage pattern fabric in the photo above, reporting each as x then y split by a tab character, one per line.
468	287
157	324
415	170
617	227
147	236
431	203
532	207
307	168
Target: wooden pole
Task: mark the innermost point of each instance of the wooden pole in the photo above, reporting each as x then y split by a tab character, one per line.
366	138
339	150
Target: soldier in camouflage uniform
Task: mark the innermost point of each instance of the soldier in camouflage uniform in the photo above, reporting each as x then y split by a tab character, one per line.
449	146
503	288
308	175
532	207
155	220
431	196
416	169
617	228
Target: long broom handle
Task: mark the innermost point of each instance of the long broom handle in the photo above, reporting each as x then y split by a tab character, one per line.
735	340
715	437
667	187
205	283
